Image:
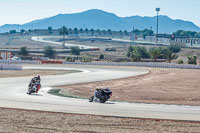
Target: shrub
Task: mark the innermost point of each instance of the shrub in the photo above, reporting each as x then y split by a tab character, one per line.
24	51
175	48
180	62
49	52
142	50
75	50
192	60
101	57
155	53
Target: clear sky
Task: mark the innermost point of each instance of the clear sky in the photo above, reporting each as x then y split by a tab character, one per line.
22	11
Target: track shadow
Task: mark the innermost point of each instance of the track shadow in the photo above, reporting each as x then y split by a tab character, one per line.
109	103
104	103
36	95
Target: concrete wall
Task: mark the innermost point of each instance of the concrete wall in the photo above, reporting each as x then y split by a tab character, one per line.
11	67
140	64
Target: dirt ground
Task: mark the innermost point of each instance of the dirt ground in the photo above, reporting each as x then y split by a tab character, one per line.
165	86
16	73
23	121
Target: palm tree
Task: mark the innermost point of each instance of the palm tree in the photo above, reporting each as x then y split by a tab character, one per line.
86	30
64	31
170	56
81	30
135	55
155	53
50	30
120	32
99	32
109	31
126	32
92	31
75	30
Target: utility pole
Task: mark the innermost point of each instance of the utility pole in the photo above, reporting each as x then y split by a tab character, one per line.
157	10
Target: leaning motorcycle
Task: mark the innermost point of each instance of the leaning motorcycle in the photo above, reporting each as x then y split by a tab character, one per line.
102	95
32	90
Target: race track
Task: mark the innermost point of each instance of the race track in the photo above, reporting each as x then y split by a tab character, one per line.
13	95
45	39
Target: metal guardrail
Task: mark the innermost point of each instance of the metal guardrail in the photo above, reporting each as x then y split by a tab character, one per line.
139	64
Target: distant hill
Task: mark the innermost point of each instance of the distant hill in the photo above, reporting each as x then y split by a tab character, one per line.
98	19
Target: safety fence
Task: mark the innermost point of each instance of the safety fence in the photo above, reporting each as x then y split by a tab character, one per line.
19	62
139	64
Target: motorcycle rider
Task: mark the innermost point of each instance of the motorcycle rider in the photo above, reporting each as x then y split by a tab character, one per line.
34	82
98	91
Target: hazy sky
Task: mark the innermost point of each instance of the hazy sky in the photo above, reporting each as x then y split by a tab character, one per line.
22	11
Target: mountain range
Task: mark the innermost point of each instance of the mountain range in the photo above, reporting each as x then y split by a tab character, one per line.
98	19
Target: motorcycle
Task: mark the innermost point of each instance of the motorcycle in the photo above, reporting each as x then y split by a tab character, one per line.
102	95
31	88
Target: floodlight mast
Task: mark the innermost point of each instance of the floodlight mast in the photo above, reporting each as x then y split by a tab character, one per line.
157	10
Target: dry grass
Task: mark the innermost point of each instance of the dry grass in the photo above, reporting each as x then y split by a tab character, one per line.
23	121
166	86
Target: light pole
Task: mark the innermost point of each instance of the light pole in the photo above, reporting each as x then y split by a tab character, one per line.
157	10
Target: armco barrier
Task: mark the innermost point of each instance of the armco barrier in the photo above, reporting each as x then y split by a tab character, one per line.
19	62
139	64
10	67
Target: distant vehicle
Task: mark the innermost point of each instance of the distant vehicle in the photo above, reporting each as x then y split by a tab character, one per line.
110	49
16	58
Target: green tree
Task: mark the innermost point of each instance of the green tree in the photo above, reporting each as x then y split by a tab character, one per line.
63	31
98	31
75	50
76	31
126	32
22	31
81	30
146	32
136	31
155	53
24	51
120	33
49	52
109	31
186	33
92	31
13	31
86	30
50	30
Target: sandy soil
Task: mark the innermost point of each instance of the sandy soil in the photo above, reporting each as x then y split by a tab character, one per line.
166	86
18	121
15	73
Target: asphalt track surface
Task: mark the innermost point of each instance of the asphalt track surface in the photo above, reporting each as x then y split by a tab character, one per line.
13	95
45	40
